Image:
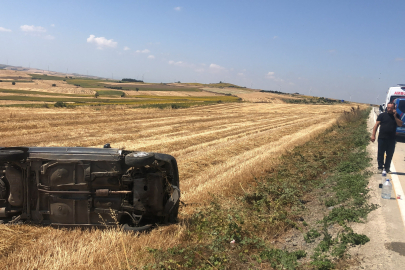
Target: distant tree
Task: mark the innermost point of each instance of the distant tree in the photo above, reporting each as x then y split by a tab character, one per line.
96	95
123	94
53	85
13	83
220	81
130	80
137	89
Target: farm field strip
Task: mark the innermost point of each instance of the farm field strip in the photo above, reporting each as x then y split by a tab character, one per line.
219	150
228	176
207	141
208	158
230	133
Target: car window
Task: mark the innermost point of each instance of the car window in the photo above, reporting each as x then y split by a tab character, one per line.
394	97
401	105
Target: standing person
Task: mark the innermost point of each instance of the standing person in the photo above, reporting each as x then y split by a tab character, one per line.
388	122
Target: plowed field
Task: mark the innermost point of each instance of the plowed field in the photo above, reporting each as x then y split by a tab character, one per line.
219	150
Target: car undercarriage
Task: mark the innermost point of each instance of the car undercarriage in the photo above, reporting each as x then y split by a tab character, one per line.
87	187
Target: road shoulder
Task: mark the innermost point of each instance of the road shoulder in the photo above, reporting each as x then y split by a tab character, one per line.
383	226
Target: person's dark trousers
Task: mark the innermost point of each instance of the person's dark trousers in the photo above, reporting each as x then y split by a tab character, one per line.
386	146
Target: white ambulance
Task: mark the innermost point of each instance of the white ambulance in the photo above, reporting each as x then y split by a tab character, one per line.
393	93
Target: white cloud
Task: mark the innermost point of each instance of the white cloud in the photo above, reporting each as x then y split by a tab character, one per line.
151	57
2	29
53	25
32	29
216	68
178	63
199	70
143	51
126	48
181	64
102	42
275	37
270	75
399	59
241	74
177	8
49	37
332	51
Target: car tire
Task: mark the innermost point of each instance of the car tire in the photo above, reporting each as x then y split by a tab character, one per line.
11	155
173	215
139	159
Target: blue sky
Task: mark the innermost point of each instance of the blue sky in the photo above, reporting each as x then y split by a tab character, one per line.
338	49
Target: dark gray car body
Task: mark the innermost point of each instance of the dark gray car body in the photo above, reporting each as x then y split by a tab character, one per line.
81	186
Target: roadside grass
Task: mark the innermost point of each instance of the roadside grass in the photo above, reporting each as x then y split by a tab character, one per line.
242	232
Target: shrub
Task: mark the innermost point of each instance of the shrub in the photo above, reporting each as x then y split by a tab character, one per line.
53	85
13	83
60	104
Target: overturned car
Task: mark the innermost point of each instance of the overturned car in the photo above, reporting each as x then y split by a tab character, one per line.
85	187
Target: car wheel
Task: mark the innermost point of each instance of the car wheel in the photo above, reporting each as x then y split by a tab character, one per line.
139	159
174	179
3	190
11	155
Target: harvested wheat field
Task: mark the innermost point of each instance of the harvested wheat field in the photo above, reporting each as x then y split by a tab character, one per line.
46	86
219	149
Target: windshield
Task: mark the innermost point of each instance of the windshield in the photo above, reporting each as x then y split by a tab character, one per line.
394	97
401	106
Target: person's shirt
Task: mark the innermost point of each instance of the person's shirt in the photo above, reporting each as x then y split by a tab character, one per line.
388	126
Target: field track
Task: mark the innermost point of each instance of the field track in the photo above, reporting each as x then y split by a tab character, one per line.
219	149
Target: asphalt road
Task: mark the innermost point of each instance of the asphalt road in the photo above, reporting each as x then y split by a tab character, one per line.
385	226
